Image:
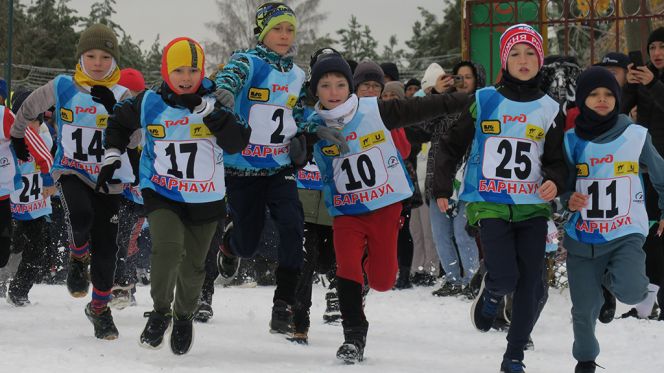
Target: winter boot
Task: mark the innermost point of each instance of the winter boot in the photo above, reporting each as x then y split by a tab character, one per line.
585	367
102	322
17	300
403	280
332	313
608	310
182	335
155	329
78	276
282	318
484	309
352	350
512	366
301	324
204	312
448	289
227	262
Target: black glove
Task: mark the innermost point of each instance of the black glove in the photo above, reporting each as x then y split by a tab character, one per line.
111	163
298	151
216	120
103	95
20	148
191	101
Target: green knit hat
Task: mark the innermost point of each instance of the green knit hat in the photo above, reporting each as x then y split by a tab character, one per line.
271	14
98	36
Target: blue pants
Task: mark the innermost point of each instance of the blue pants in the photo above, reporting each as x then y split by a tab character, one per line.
620	267
514	260
456	248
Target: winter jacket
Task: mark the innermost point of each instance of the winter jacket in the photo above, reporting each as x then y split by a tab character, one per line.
649	100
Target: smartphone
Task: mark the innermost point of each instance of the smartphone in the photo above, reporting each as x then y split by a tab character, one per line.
636	58
458	81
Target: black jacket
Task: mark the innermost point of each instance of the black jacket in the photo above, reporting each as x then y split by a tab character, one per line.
649	100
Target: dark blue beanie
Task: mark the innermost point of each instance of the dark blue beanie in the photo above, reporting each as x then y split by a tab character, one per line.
589	124
327	63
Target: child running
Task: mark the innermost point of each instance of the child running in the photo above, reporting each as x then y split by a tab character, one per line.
605	235
81	121
514	168
364	185
181	180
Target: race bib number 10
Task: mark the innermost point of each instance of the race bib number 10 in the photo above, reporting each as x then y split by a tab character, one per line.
359	171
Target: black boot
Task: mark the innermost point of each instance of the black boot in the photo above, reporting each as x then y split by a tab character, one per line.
78	276
282	318
301	324
585	367
332	313
182	335
227	262
354	322
355	338
102	322
204	311
403	280
155	329
608	310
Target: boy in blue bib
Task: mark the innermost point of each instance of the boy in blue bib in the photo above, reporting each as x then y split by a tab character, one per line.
363	185
181	181
606	154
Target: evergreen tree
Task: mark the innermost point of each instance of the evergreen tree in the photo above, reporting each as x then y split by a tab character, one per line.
50	37
356	41
432	38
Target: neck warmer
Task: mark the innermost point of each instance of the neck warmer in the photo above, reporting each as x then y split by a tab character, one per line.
83	79
340	115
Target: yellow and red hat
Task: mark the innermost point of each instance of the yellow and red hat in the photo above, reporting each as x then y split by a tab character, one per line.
181	52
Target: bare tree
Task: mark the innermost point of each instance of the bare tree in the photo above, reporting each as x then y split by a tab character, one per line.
235	26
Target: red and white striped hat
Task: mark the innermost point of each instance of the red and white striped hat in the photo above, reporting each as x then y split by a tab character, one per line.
520	33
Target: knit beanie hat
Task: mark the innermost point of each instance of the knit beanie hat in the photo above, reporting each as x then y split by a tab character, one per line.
98	36
413	81
395	87
390	69
182	52
132	79
271	14
3	89
520	33
656	35
590	124
327	63
431	74
368	71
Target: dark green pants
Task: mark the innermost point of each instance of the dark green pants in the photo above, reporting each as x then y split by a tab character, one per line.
178	261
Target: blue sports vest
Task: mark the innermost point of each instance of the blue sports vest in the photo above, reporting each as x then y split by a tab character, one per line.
181	159
266	103
609	174
132	193
372	175
308	177
504	164
28	203
10	178
81	124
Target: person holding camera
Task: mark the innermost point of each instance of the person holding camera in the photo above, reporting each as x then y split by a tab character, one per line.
645	90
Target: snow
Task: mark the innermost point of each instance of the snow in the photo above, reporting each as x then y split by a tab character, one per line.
410	331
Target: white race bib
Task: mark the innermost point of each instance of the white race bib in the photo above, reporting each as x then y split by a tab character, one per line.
511	159
186	160
608	198
271	125
360	171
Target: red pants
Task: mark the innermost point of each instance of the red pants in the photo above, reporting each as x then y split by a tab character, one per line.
376	232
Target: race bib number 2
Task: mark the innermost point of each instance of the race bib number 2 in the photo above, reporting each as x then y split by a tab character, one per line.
271	125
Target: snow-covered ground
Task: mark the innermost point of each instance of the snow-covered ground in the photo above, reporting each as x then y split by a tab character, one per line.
410	331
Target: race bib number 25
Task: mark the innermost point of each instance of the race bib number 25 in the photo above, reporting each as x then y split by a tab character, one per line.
511	159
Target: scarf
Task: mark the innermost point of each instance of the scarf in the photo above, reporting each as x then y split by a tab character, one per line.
84	80
340	115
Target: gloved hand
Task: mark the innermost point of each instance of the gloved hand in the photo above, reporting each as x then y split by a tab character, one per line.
111	163
298	151
224	97
334	136
20	148
191	101
103	95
